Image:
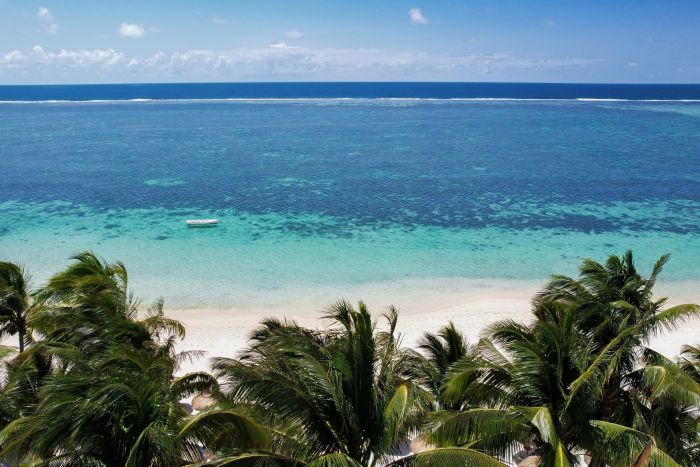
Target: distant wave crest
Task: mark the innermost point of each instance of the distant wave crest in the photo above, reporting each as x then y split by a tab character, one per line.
340	99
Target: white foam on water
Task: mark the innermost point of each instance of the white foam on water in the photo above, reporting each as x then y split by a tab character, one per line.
344	99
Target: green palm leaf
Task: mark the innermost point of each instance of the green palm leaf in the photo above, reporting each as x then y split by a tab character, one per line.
253	459
335	459
222	428
448	456
623	445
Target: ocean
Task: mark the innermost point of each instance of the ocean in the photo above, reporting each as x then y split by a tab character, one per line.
325	188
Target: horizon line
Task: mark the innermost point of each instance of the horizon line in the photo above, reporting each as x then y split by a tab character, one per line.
141	83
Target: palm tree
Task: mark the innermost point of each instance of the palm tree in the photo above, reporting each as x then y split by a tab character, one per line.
442	350
689	361
123	409
338	397
17	302
22	377
89	305
515	387
618	313
571	382
92	282
520	396
669	411
99	388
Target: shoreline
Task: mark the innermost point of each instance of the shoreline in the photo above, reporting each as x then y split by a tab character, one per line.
223	332
424	306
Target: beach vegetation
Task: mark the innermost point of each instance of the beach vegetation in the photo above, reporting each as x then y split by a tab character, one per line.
580	381
17	302
97	380
98	386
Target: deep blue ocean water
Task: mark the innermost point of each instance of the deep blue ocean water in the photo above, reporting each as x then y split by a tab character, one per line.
337	185
423	90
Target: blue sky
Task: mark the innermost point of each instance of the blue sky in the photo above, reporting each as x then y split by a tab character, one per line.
76	41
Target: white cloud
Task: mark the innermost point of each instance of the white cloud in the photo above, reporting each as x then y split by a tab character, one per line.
294	34
219	20
77	58
276	61
282	45
131	30
417	16
44	15
11	59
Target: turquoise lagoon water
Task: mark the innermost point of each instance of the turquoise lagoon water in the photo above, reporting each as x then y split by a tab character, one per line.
335	195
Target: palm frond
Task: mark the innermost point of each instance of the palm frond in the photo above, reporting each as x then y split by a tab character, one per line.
622	445
448	456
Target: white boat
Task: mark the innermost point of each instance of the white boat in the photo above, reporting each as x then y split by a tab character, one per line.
201	222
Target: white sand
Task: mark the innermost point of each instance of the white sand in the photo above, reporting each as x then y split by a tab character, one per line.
472	305
424	306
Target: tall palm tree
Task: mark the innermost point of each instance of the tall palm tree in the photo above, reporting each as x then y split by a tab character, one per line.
84	299
121	410
89	281
618	313
17	302
338	397
571	382
515	388
89	305
520	395
99	388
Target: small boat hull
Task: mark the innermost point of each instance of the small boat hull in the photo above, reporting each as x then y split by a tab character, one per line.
202	222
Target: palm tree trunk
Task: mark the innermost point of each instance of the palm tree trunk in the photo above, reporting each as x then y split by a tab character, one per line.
645	456
21	335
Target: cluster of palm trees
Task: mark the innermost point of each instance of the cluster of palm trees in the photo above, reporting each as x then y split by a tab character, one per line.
96	382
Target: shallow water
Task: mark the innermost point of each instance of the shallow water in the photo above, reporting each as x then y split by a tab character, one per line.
335	194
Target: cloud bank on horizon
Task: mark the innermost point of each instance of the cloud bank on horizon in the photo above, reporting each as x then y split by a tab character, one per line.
276	60
479	40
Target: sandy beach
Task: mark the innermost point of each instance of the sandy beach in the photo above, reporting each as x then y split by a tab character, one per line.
423	305
471	305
